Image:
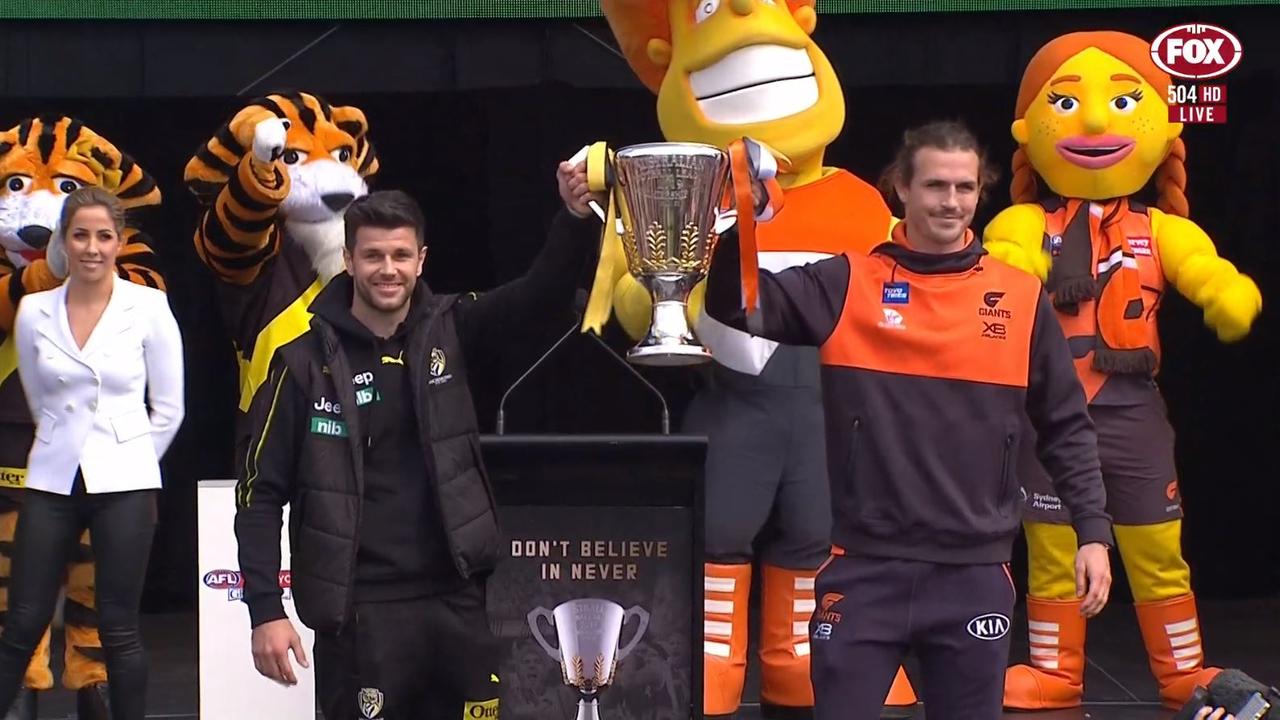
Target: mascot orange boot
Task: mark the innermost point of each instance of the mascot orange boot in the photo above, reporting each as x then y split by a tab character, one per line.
1092	125
725	70
42	160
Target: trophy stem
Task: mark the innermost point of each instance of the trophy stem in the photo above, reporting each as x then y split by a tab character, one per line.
588	709
670	341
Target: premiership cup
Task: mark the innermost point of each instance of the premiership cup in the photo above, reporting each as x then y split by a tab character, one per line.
588	631
667	196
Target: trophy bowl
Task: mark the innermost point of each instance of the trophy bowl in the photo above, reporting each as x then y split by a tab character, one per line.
668	195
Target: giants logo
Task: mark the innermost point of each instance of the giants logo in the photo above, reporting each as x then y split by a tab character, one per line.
825	613
992	300
1196	52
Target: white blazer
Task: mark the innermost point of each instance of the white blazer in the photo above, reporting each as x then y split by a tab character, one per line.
90	405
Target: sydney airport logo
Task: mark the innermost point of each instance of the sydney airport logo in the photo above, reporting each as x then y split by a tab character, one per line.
1194	51
233	582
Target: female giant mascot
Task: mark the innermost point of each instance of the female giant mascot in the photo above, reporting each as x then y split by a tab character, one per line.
42	160
1093	126
725	70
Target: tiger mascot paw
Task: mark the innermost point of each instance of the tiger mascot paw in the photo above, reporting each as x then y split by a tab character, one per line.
55	255
269	138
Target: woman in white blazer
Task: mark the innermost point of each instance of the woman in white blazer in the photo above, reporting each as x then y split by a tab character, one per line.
100	359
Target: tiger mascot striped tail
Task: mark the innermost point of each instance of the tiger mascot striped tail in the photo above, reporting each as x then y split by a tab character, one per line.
42	160
275	180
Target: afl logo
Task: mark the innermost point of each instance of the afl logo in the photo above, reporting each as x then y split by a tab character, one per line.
222	579
1196	52
991	626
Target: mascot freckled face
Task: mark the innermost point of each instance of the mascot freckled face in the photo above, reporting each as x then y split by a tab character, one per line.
1093	130
725	70
42	160
277	179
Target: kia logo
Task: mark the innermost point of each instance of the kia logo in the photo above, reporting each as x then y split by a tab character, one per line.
991	626
1196	52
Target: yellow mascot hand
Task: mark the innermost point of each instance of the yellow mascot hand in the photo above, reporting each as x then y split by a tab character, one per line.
633	306
1016	237
613	263
1230	299
109	176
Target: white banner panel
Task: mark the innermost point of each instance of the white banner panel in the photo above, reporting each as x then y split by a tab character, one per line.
230	687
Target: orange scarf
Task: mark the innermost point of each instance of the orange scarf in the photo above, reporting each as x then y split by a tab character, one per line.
1096	263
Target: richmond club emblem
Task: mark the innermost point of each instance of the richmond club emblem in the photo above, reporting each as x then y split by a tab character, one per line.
437	362
370	702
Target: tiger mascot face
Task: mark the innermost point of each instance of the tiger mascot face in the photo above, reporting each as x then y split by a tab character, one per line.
44	159
325	152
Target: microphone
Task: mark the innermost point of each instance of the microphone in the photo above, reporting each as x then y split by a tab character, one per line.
579	307
1241	695
666	415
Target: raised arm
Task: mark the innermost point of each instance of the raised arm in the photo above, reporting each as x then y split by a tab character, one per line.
238	233
485	320
798	306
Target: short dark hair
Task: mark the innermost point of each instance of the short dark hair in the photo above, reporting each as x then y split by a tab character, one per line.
945	135
385	209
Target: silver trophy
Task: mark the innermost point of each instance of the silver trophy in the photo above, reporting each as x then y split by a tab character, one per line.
588	631
668	195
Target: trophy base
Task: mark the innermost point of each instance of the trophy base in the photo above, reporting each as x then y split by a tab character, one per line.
588	709
673	355
670	341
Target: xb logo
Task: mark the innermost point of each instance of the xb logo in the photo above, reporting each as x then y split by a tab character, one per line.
993	330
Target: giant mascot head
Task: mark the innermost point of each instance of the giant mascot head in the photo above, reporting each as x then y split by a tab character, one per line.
727	69
1093	122
42	160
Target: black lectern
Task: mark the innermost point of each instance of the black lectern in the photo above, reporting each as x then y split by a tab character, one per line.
599	593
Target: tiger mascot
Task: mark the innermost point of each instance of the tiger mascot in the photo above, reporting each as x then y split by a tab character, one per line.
42	160
275	181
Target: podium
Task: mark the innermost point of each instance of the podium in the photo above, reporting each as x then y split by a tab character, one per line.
612	522
597	529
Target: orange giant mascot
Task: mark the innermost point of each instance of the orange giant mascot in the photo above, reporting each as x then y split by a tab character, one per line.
724	70
1093	126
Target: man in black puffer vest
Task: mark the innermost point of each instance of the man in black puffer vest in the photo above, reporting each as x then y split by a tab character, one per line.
366	429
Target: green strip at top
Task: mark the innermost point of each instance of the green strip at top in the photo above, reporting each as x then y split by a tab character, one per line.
464	9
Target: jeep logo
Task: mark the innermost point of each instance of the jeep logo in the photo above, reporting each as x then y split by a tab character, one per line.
991	626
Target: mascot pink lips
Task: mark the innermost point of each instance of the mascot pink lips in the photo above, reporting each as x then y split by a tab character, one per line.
1095	151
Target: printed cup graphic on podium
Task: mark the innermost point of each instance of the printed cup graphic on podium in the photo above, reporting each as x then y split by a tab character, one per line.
588	631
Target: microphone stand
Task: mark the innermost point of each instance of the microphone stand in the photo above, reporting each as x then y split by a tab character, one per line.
580	306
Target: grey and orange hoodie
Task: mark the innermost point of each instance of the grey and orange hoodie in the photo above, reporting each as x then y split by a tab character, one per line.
930	363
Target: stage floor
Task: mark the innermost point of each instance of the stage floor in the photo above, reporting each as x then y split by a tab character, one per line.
1243	634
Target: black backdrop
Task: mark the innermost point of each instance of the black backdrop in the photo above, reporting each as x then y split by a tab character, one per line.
479	146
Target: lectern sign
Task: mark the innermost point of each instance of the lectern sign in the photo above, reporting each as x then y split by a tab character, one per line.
594	603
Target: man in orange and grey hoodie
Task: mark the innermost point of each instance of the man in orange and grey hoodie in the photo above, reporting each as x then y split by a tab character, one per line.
932	354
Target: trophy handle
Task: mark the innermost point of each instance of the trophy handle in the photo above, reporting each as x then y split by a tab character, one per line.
644	625
537	634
